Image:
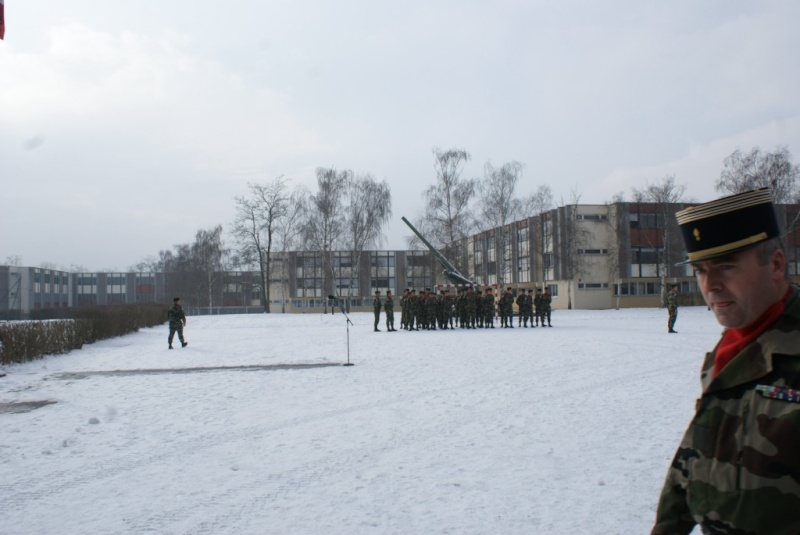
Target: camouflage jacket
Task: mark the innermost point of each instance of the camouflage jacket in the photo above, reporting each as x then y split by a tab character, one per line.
175	315
377	304
672	300
737	470
388	305
546	302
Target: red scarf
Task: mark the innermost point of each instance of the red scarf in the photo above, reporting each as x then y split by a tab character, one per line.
734	340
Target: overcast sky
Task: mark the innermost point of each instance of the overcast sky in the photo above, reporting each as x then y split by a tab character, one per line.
127	126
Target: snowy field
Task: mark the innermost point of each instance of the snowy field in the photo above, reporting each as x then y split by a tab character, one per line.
567	430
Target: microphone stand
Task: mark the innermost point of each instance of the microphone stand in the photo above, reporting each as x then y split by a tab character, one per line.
349	323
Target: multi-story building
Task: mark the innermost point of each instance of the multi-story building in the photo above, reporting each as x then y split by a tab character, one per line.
23	289
597	256
299	282
589	256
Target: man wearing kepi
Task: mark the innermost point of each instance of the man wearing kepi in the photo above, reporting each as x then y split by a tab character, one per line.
737	469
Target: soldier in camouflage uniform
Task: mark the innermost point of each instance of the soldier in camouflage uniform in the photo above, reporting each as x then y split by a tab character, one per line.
430	309
465	313
478	307
537	306
488	309
177	321
388	306
440	309
451	307
737	469
461	308
672	308
520	308
413	311
470	303
526	308
404	309
422	310
547	307
377	304
506	305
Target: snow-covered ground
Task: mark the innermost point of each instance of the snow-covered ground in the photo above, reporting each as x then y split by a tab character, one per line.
567	430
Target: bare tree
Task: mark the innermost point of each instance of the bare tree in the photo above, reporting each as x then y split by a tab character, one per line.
756	169
289	233
195	267
661	231
325	221
255	226
615	232
14	260
574	263
149	264
208	252
368	207
499	206
539	205
447	202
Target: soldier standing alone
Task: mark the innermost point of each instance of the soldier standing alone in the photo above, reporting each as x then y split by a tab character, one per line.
672	308
177	321
376	308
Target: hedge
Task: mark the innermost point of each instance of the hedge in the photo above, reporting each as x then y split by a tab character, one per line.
69	329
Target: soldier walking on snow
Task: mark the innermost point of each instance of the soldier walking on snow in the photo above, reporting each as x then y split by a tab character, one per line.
177	321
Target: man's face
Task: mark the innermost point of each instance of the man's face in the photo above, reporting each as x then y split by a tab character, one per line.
739	290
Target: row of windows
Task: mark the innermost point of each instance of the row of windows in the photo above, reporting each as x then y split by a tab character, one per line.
593	285
47	288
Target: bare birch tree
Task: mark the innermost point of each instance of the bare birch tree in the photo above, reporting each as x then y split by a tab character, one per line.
368	207
539	205
325	222
447	203
574	263
756	169
289	231
617	234
255	226
499	206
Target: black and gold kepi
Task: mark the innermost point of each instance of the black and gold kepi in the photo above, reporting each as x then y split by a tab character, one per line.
728	225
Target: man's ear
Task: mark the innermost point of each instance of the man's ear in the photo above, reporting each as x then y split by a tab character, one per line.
778	265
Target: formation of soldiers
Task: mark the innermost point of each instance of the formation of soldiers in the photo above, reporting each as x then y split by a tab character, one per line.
469	308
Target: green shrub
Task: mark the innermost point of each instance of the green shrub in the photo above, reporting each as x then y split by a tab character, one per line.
22	341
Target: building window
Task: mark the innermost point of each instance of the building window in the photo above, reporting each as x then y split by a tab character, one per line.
419	269
382	271
638	288
115	286
592	285
345	274
309	276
